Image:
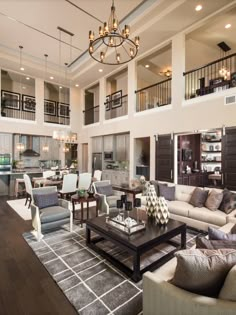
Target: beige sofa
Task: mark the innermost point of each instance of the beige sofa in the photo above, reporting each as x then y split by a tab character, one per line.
163	298
200	218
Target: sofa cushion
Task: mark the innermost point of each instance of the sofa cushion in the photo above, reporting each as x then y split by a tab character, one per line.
228	203
214	200
198	197
167	192
203	271
54	213
203	214
111	200
183	192
179	207
105	190
215	234
228	290
202	242
43	200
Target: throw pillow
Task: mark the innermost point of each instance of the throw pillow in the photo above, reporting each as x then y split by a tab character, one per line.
202	242
203	271
105	190
215	234
167	192
198	197
214	200
46	200
228	291
228	203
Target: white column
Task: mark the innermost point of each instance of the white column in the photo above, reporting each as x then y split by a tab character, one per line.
132	86
178	67
39	97
102	98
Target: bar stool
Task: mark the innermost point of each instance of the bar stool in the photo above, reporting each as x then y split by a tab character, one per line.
19	182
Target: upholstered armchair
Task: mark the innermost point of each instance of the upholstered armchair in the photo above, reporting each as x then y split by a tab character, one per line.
107	196
49	212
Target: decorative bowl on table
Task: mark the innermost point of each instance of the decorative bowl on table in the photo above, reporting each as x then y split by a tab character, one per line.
81	193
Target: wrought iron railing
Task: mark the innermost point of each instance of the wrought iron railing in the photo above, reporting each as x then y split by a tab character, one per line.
116	107
155	95
14	107
56	112
91	115
210	78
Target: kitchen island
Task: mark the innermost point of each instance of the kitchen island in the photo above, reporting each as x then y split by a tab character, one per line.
116	176
7	179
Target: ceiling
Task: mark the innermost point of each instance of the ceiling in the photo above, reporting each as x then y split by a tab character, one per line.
33	24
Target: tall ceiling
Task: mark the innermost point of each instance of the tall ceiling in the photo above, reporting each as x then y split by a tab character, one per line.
33	24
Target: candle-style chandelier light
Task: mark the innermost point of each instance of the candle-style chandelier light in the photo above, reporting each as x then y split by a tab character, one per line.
113	46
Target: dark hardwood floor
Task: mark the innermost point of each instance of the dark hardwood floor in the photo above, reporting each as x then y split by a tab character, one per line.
25	285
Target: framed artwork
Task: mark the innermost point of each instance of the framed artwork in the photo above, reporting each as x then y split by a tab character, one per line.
233	79
11	99
50	107
108	102
187	154
63	110
28	103
116	99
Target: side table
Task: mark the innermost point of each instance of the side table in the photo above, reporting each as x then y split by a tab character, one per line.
75	199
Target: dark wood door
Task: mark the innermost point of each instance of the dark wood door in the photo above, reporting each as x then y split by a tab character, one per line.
165	158
229	158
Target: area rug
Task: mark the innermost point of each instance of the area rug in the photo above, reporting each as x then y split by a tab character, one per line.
18	205
91	284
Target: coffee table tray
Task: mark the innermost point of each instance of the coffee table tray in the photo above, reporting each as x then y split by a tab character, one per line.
128	226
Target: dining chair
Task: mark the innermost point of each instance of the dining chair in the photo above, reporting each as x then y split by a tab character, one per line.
97	176
69	184
84	181
28	189
49	173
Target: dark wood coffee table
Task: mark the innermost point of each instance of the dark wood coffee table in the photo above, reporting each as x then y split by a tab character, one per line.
135	244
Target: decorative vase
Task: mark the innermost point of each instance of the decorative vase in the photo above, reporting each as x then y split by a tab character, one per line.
151	201
162	214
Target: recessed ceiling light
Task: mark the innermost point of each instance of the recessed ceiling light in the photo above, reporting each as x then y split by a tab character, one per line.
23	87
77	85
60	87
147	66
22	69
198	7
100	70
228	25
27	78
51	78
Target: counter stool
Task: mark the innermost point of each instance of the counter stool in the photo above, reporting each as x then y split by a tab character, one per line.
19	182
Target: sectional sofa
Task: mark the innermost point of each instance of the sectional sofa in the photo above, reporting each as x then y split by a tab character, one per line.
200	218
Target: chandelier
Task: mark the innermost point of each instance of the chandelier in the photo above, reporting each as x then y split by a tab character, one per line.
113	39
64	136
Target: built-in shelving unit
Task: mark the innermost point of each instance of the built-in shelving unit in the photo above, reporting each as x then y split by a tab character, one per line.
211	151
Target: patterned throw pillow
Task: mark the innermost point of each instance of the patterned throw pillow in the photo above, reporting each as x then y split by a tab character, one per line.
199	197
228	203
46	200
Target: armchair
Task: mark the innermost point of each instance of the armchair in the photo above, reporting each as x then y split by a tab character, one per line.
107	196
49	212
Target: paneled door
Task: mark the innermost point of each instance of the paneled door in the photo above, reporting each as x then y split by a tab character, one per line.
229	158
165	157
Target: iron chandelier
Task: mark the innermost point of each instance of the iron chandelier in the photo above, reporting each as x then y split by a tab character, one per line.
113	39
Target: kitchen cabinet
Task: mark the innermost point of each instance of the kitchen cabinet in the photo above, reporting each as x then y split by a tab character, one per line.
122	147
108	144
97	145
5	143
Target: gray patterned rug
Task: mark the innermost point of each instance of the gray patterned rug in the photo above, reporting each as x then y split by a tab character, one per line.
91	284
